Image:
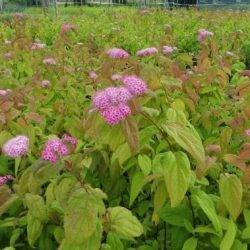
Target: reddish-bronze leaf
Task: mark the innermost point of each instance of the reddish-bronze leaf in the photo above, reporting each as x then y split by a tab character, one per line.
131	134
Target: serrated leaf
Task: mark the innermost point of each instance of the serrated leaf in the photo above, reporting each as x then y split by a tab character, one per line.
228	238
137	183
231	194
177	171
145	164
190	244
207	205
34	229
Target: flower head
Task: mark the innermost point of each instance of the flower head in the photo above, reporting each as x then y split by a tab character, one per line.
17	146
168	50
111	96
18	15
147	52
92	75
45	83
5	178
114	114
3	92
247	132
203	34
67	27
117	53
53	150
135	85
37	46
112	103
8	55
68	139
49	61
116	77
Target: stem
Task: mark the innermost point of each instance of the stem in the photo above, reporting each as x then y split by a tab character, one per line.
192	210
165	235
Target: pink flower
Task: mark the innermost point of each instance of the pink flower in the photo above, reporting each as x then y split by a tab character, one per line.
67	27
53	150
203	34
69	139
49	61
147	52
247	132
112	103
116	77
8	55
135	85
168	50
4	179
114	114
18	15
37	46
92	75
3	92
111	96
45	83
17	146
117	53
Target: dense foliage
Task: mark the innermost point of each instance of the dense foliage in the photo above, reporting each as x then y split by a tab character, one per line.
158	161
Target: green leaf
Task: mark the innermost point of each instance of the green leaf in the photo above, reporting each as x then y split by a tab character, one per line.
121	154
80	220
14	236
177	171
228	239
185	136
207	205
145	164
123	223
137	183
246	233
246	213
34	229
231	194
114	241
175	216
225	137
190	244
36	206
238	245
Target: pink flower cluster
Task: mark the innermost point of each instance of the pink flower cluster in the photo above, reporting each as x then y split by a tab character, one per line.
67	27
17	146
116	77
92	75
37	46
4	179
117	53
45	83
203	34
4	92
167	50
135	85
56	148
49	61
18	15
112	102
247	132
147	52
